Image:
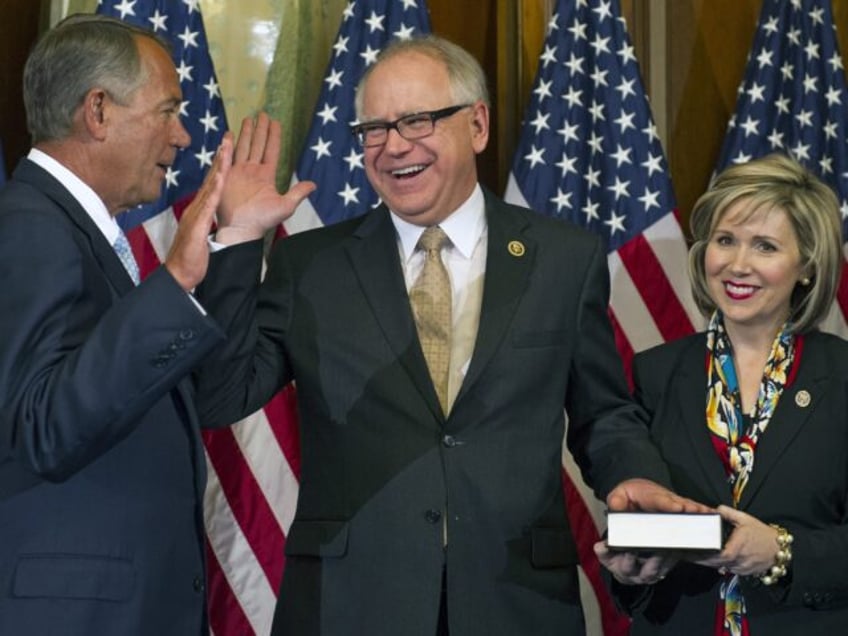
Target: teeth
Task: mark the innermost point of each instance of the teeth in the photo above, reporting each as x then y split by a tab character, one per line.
739	289
406	171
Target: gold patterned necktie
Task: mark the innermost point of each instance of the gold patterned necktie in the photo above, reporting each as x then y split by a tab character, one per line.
430	297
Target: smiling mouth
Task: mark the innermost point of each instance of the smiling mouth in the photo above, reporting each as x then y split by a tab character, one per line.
410	171
736	291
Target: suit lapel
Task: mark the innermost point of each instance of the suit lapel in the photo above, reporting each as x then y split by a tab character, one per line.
33	174
374	257
509	260
691	397
788	420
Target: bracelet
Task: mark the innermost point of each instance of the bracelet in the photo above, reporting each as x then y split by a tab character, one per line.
781	559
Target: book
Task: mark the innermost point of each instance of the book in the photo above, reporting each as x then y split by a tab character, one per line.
664	531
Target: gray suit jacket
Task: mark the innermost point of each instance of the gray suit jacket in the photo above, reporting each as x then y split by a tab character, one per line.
380	463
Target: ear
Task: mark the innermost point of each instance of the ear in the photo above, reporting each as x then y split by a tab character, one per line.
479	126
94	109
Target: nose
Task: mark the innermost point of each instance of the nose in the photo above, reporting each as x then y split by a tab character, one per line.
179	135
740	263
395	143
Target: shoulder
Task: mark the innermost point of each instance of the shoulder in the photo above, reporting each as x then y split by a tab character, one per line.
667	357
819	345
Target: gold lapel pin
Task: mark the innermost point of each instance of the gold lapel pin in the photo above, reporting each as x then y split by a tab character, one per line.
802	398
516	248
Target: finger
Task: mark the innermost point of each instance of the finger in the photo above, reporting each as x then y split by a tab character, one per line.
245	140
274	143
260	138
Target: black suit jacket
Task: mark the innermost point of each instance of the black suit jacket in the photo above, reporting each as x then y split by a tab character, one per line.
101	466
800	480
380	463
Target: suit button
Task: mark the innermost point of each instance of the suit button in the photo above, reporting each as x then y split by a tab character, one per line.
186	334
197	584
807	599
449	441
433	516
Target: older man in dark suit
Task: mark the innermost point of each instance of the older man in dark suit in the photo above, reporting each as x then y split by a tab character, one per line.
434	344
101	465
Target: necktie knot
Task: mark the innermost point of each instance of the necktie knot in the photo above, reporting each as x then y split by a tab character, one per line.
433	239
124	251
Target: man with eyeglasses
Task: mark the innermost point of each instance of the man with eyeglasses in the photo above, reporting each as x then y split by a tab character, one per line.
431	380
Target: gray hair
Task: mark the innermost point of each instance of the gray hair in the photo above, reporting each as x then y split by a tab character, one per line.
776	182
82	52
466	76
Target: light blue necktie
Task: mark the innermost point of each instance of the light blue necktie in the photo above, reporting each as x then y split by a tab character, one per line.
124	252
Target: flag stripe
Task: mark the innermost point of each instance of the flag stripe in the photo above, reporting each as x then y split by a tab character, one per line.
225	614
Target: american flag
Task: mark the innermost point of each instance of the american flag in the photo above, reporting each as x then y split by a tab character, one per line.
589	153
331	157
793	100
253	465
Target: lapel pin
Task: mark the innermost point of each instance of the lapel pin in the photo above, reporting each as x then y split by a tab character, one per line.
802	398
516	248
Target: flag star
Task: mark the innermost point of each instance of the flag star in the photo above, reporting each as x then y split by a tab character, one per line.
404	32
625	121
158	21
816	15
794	36
835	62
833	96
340	46
597	111
782	104
409	4
805	118
327	114
569	132
600	45
756	92
764	58
651	131
561	200
625	87
348	11
209	121
574	64
212	88
566	165
801	152
321	148
349	194
204	157
543	90
375	22
184	71
741	158
603	10
812	50
189	37
591	211
592	178
354	160
830	129
369	55
192	5
621	155
595	141
826	165
844	209
573	97
627	54
650	199
553	24
535	156
334	79
184	108
619	188
775	139
578	30
126	8
548	56
541	122
599	76
653	163
615	223
750	126
810	84
171	177
771	25
788	71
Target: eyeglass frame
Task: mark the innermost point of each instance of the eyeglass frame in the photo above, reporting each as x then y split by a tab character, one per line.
359	130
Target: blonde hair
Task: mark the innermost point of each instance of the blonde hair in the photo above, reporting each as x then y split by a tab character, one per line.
776	182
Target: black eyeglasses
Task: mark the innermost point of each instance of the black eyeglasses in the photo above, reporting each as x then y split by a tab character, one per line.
414	126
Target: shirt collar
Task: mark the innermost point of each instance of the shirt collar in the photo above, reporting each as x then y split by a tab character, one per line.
82	192
464	226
